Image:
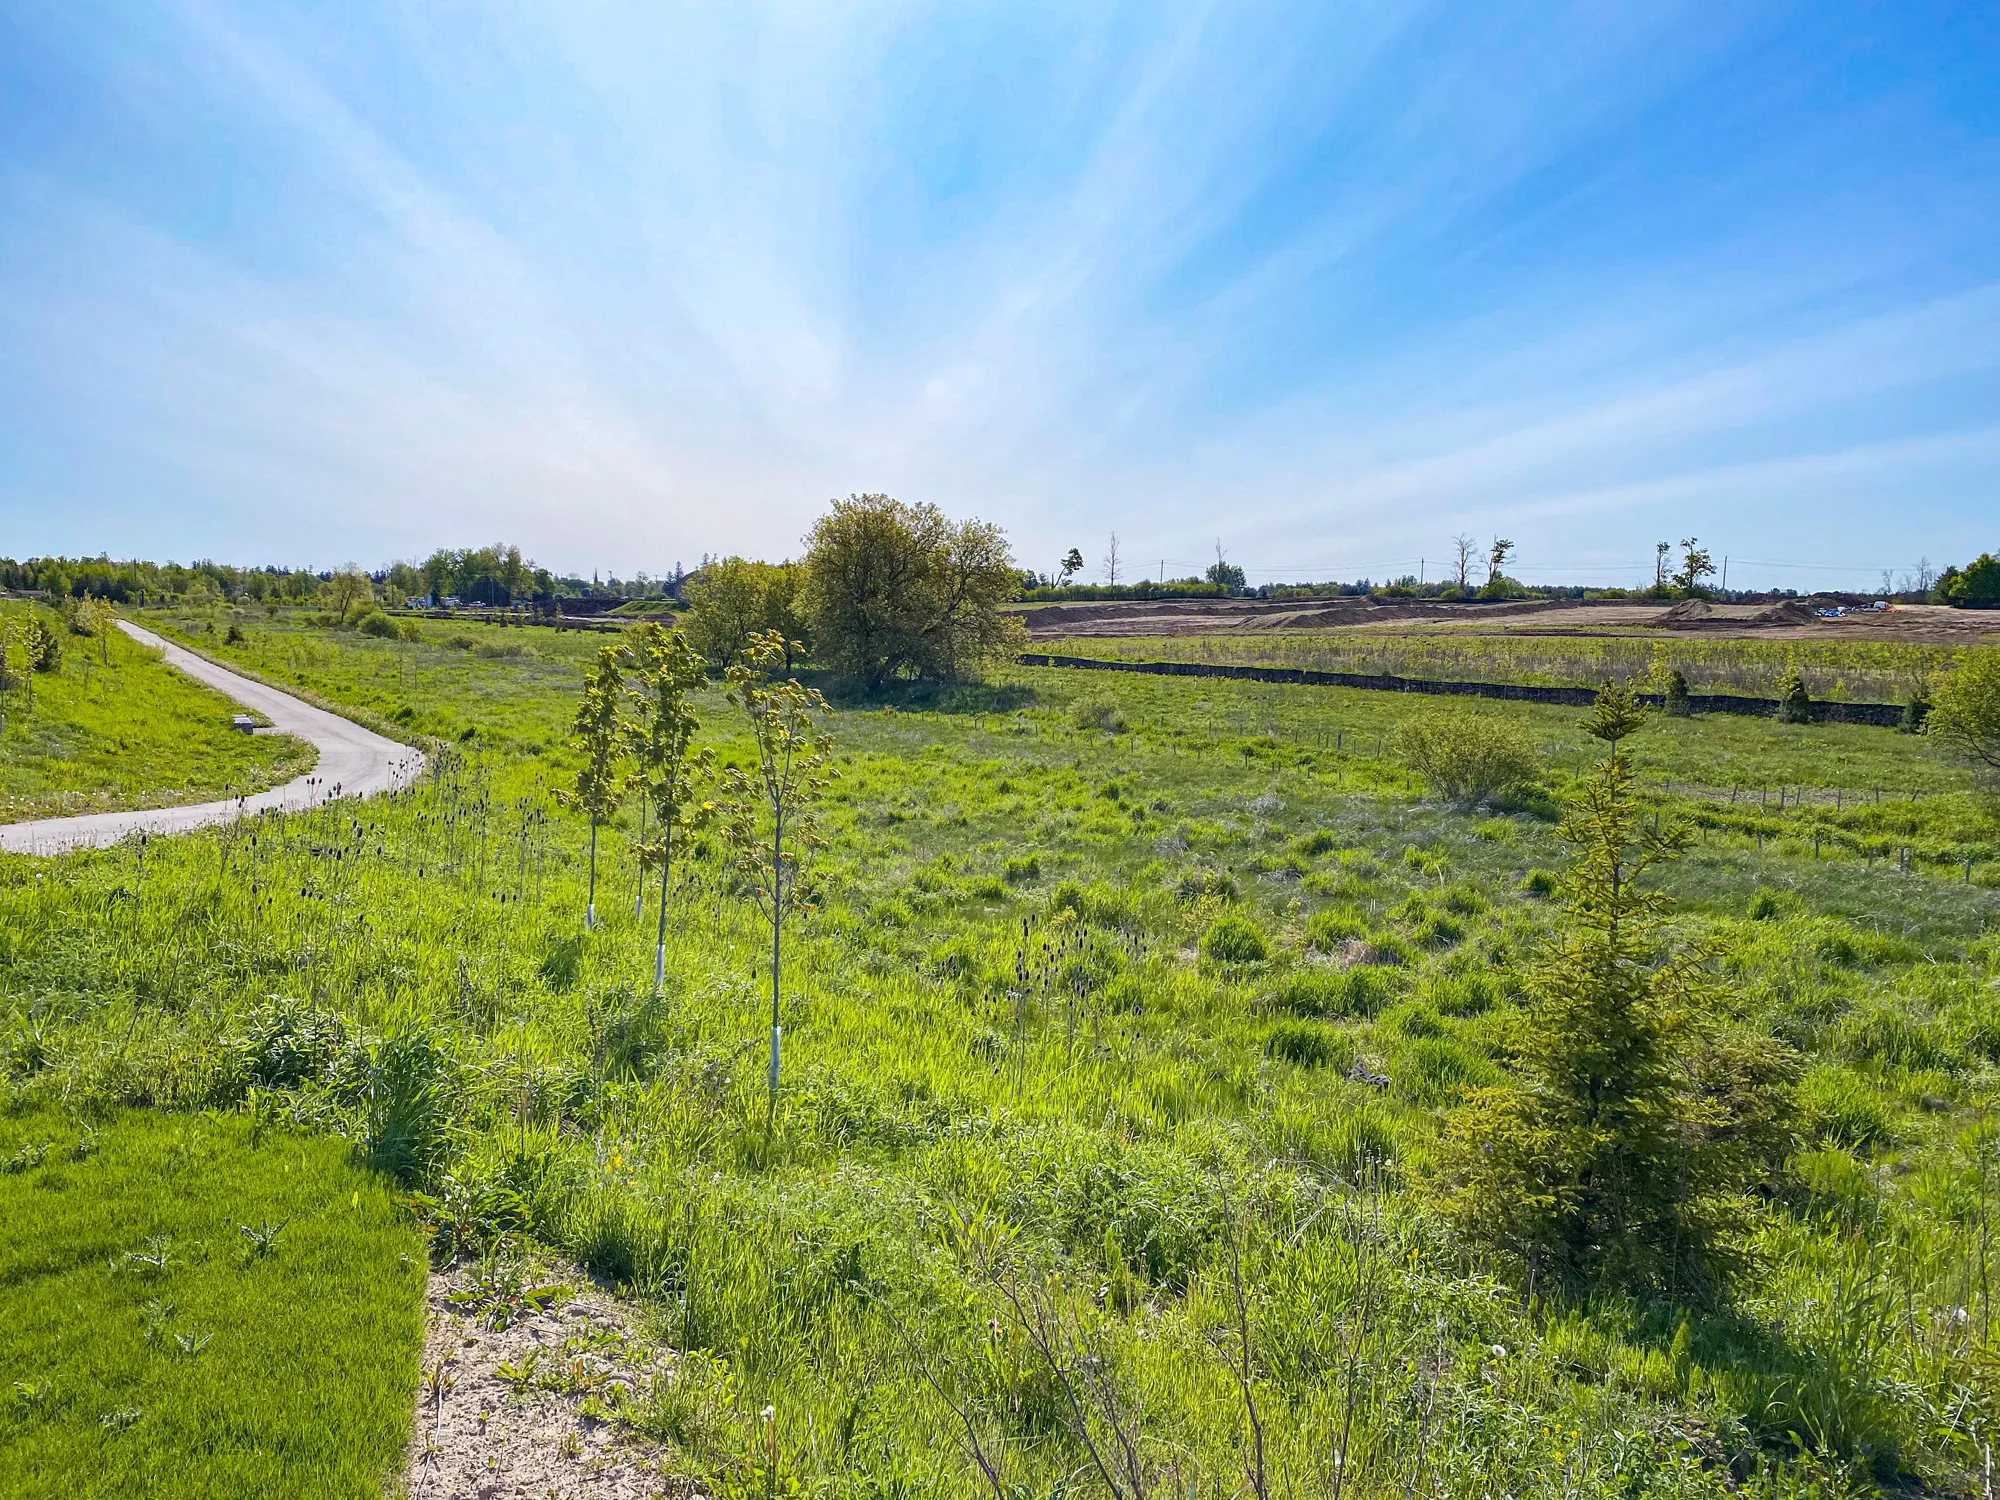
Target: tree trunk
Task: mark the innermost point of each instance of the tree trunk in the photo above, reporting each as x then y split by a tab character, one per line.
639	900
590	900
666	865
777	953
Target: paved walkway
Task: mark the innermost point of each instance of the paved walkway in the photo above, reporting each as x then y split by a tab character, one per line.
353	762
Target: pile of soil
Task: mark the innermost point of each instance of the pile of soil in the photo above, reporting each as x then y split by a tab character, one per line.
1686	610
1791	612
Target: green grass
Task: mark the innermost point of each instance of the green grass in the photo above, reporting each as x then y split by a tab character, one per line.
116	728
1021	1100
150	1350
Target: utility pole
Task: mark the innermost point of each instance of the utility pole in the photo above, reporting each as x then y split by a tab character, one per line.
1725	572
1420	572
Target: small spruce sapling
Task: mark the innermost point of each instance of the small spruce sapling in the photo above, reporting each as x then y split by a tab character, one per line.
1794	702
603	736
772	809
666	673
1618	1150
1677	704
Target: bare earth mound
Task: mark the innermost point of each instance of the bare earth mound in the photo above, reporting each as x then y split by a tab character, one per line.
1914	623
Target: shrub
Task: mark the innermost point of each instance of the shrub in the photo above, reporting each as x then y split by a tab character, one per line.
1540	883
1677	705
1467	756
44	646
286	1043
1794	702
1234	939
1916	709
1327	930
1098	711
1310	1045
1022	868
1312	845
376	624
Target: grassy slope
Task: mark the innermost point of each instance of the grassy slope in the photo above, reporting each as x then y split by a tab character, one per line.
1039	1068
217	1375
130	733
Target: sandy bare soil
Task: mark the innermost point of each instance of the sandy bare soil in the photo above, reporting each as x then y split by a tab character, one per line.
1793	619
507	1413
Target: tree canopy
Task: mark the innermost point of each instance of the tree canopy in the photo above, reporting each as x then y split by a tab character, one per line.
897	590
735	599
1965	709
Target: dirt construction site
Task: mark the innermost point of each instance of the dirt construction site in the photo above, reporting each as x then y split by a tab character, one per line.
1799	619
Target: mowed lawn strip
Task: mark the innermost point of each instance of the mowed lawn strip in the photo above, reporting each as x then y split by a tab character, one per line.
151	1348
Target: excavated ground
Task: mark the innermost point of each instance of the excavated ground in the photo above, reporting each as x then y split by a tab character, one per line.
1793	618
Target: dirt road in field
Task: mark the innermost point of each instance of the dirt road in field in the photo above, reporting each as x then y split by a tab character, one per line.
353	762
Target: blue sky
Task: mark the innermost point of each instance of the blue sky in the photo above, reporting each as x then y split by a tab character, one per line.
1321	284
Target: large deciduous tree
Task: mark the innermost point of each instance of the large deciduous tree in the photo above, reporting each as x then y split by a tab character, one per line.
896	590
1965	709
734	599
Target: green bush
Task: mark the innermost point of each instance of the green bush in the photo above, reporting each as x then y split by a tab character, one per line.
1794	701
378	625
1312	845
1234	939
1466	755
1310	1045
1098	711
1540	883
1676	704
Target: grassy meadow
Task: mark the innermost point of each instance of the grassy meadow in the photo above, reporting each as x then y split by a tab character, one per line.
1849	671
1065	1196
115	728
199	1307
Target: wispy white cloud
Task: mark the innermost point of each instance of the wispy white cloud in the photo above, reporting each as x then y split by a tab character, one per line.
632	284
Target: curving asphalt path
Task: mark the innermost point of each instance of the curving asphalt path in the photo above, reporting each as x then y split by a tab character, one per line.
353	762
